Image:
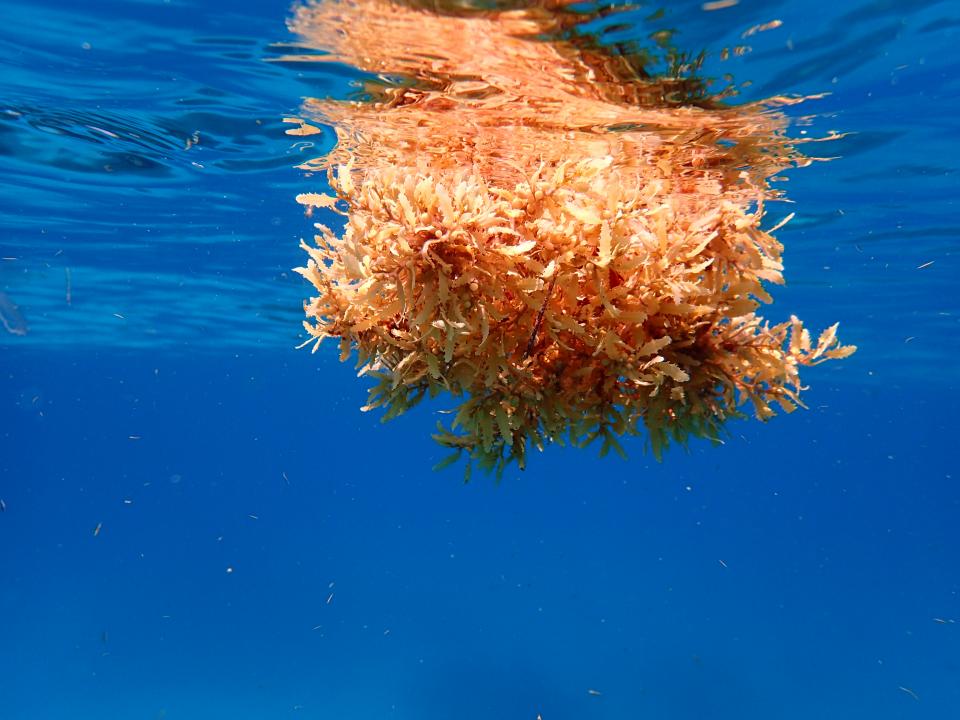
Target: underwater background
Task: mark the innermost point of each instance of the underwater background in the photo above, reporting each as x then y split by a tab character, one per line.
197	521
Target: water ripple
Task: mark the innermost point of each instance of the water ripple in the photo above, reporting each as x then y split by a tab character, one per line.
143	150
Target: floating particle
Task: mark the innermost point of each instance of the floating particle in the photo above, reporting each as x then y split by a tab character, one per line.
11	317
719	4
773	24
909	692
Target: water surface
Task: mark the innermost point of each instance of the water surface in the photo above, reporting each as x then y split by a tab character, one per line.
267	550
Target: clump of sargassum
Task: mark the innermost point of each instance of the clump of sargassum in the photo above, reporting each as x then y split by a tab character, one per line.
565	244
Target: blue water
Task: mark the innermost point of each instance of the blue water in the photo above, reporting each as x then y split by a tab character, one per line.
199	523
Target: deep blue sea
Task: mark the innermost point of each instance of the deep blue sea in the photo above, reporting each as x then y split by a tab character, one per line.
199	523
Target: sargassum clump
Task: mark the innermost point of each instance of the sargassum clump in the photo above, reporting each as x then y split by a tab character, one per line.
570	263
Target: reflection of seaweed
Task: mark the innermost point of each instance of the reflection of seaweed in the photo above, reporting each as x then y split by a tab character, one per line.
11	317
573	253
631	72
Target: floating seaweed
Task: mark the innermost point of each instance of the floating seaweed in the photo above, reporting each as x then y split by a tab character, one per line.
565	242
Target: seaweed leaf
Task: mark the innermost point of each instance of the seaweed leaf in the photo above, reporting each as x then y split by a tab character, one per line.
448	460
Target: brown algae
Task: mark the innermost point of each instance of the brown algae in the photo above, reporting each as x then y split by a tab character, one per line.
565	243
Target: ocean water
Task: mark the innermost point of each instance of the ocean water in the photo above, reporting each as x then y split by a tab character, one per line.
198	522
